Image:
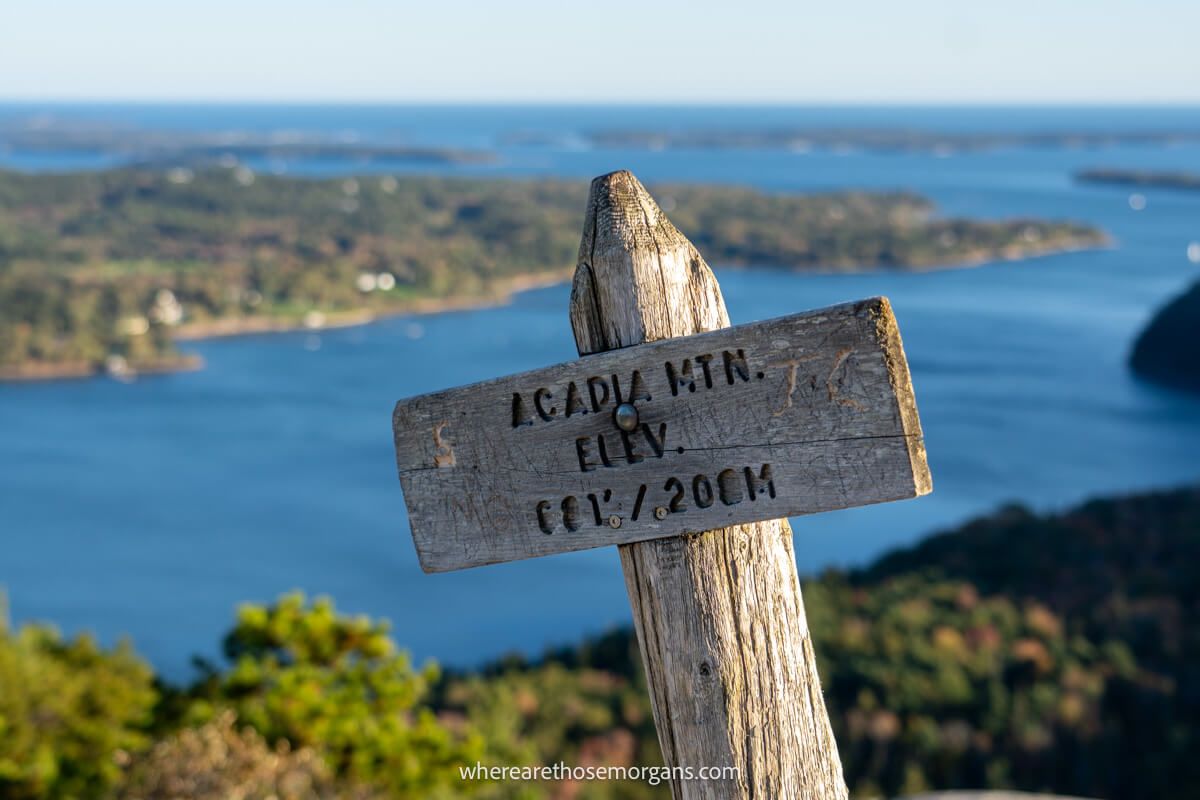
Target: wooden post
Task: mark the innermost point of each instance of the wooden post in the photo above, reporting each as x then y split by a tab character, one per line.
650	443
719	616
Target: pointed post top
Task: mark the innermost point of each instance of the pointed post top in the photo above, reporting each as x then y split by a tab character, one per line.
621	214
637	279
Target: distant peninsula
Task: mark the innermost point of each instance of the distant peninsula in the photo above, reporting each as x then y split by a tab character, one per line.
1168	350
1164	179
873	139
106	271
175	148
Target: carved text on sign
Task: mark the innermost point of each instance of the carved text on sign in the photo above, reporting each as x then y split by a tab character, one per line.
796	415
730	486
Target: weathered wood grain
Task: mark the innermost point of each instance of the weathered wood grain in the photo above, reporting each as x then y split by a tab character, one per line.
719	615
796	415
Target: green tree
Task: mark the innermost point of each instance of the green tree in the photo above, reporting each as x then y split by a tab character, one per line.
302	673
71	713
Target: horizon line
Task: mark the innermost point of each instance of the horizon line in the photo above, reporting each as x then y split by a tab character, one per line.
572	103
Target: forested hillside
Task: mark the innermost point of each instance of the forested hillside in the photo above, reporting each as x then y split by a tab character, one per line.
1052	653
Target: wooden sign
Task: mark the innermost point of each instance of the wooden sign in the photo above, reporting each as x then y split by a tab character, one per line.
679	424
806	413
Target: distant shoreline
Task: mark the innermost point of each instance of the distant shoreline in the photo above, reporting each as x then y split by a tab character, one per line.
1179	180
232	327
972	262
801	139
500	295
36	372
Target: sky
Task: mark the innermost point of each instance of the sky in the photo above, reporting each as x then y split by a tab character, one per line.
751	51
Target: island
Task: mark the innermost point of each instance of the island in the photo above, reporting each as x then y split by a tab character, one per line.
1163	179
1168	350
891	140
106	271
179	148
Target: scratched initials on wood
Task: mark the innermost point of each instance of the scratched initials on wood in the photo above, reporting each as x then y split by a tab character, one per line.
801	414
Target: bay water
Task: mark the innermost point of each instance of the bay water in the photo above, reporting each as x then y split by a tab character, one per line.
151	509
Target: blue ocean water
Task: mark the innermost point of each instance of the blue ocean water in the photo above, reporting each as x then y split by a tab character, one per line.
153	508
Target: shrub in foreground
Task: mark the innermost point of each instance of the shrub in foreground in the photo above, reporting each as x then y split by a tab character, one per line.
303	674
71	713
217	761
